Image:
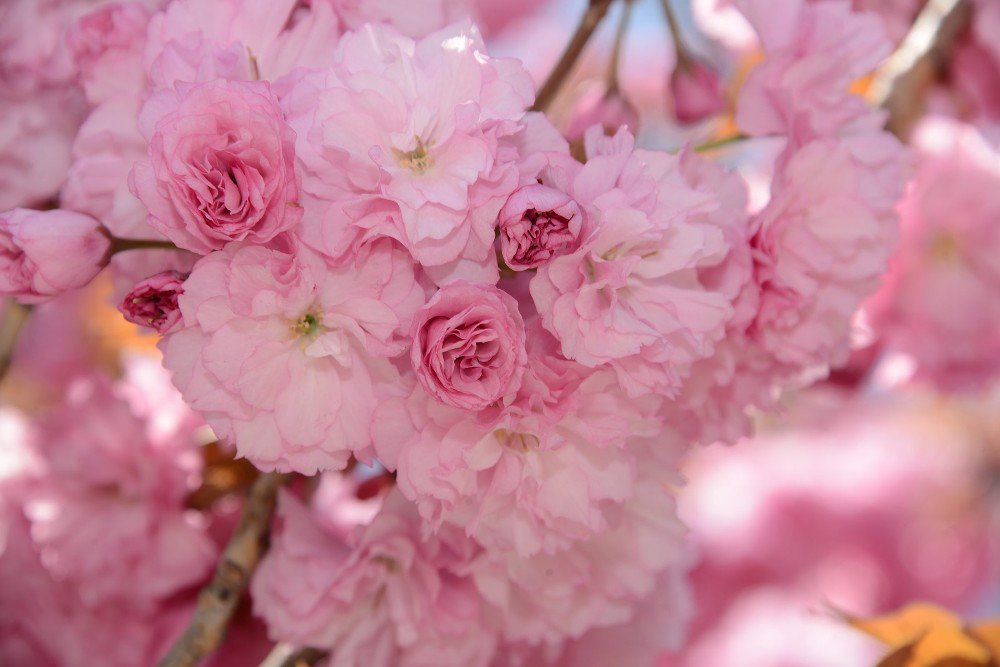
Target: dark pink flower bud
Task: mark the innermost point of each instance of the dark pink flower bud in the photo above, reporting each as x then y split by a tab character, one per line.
153	301
46	253
697	91
609	109
468	346
537	223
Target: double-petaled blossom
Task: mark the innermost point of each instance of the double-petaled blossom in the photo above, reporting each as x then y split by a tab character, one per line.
381	595
468	346
221	165
632	295
285	356
411	140
944	283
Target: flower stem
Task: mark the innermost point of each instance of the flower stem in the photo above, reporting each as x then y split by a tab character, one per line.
614	67
596	10
10	328
720	143
122	245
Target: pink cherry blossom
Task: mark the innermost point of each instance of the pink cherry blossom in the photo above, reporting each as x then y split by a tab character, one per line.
221	165
468	346
108	512
106	45
821	244
814	52
46	253
285	356
412	20
391	147
944	281
104	150
631	296
520	481
382	597
593	583
153	301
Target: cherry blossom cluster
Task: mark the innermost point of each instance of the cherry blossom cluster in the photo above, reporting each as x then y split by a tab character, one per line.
370	262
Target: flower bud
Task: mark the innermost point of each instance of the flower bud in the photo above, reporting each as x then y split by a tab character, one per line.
153	301
697	91
610	110
46	253
537	223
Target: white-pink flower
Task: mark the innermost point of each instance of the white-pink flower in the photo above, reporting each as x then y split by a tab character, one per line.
822	243
941	301
594	583
520	481
285	356
814	52
107	510
409	139
632	295
380	598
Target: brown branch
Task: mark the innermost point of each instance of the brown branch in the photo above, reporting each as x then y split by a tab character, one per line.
10	329
901	82
596	10
286	655
123	245
219	599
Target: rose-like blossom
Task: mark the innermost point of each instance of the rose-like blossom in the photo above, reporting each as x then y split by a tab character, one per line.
537	223
814	52
468	346
221	165
941	302
632	295
390	146
286	356
46	253
153	301
387	597
696	91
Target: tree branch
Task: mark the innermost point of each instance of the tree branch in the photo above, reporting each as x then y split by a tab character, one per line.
286	655
219	599
903	79
10	329
596	10
122	245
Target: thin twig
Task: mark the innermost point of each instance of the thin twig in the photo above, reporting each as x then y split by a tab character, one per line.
10	328
614	65
901	82
286	655
219	599
596	10
719	143
122	245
